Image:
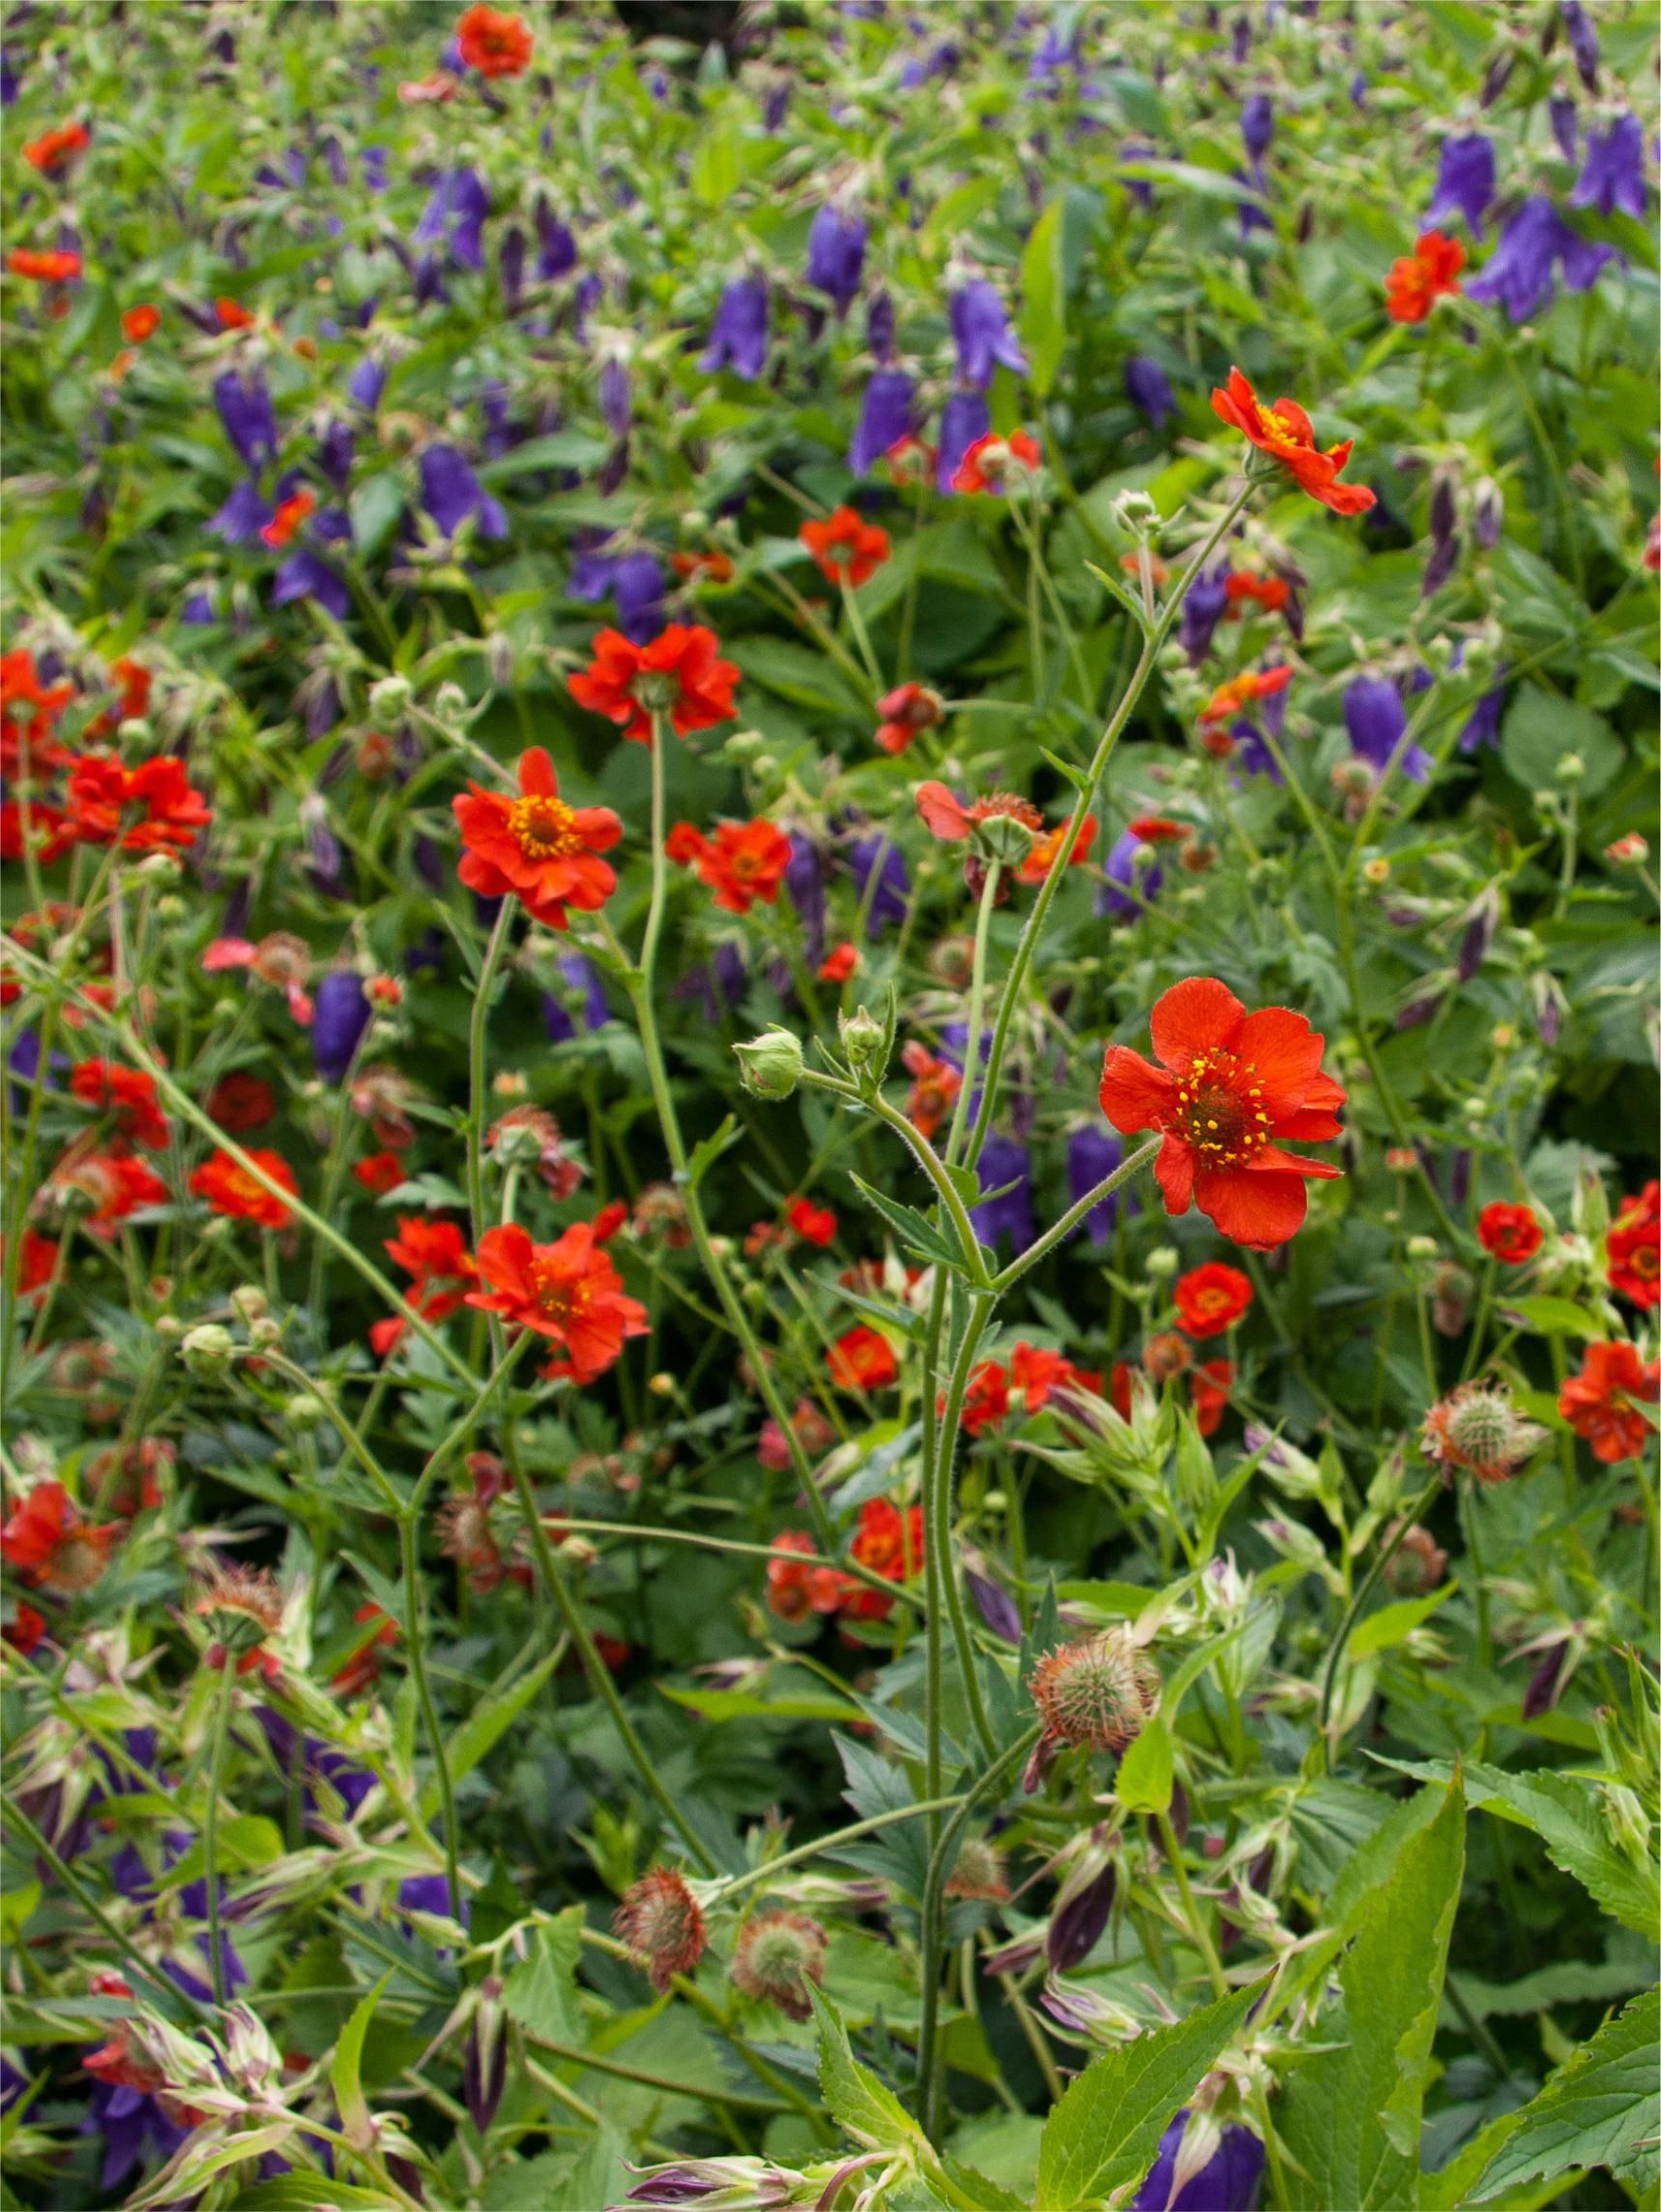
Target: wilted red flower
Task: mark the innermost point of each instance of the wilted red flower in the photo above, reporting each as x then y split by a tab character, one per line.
567	1291
743	863
51	1545
1166	1355
679	674
531	1133
1046	850
150	808
1270	592
232	315
935	1086
25	1629
987	464
494	44
1286	435
986	1401
52	267
535	847
1634	1248
291	512
945	817
128	1095
776	1955
904	714
112	1183
609	1220
52	151
815	1224
238	1103
140	323
118	2063
1208	1387
1601	1402
1417	1563
229	1188
1421	277
1037	1375
862	1360
1212	1298
364	1666
1510	1232
846	548
1229	1088
662	1923
1240	691
124	1479
795	1587
838	964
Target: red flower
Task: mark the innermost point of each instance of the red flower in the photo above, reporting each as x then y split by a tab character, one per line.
364	1666
1634	1248
1286	435
284	525
229	1188
945	817
434	1254
23	822
905	713
1240	691
1270	592
1421	277
609	1220
29	733
380	1172
140	323
935	1085
861	1359
838	964
134	680
1212	1298
817	1224
103	794
707	568
1209	1386
128	1095
48	268
493	44
986	465
233	316
36	1259
986	1400
679	674
238	1103
24	1630
1047	848
1037	1375
846	549
1229	1088
794	1589
889	1542
745	861
115	1183
568	1291
535	846
1510	1232
53	151
49	1544
1598	1403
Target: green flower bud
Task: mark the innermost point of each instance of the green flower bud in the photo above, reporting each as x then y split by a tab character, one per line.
770	1064
209	1350
1162	1263
862	1037
304	1411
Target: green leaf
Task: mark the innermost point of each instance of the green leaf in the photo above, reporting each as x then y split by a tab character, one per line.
913	1231
374	509
1393	1625
1147	1773
796	673
247	1840
305	2192
1599	2110
559	449
541	1991
1043	319
861	2105
1541	728
1554	1317
1105	2131
484	1728
343	2067
709	1150
1351	2117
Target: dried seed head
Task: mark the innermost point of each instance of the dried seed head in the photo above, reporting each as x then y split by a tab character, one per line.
1417	1565
777	1956
978	1873
1476	1428
662	1923
1098	1692
243	1605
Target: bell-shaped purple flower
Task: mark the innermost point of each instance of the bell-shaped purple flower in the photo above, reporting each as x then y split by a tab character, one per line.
804	881
246	411
556	246
1464	181
338	1024
1077	1922
1009	1214
1093	1152
455	216
1257	126
1613	176
1566	127
890	897
1228	2182
133	2125
306	575
886	417
336	449
1205	605
738	339
1127	889
879	327
1483	723
1377	722
614	398
963	418
243	516
980	329
591	1011
1583	41
637	587
451	494
368	380
1146	386
837	255
1519	275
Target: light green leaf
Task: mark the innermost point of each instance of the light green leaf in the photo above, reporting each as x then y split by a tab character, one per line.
343	2067
1554	1316
1147	1773
541	1991
1599	2110
913	1231
1541	727
484	1727
709	1150
1043	320
861	2105
1393	1625
1105	2131
247	1840
304	2192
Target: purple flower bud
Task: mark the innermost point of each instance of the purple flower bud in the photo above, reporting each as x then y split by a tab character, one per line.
1257	126
341	1017
1564	129
1076	1924
452	493
738	339
1417	1011
1497	77
614	398
1583	41
1147	387
455	214
837	255
1204	607
511	262
980	329
963	418
804	881
1478	935
890	898
1613	177
880	325
1377	722
1541	1695
1444	559
246	411
367	382
1227	2183
334	451
1464	181
886	417
556	247
995	1606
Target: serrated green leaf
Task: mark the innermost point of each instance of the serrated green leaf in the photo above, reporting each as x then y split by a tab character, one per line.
1599	2110
484	1727
1147	1773
1554	1316
861	2105
541	1991
916	1233
343	2067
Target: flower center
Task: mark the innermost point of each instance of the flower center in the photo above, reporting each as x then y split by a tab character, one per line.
557	1297
1219	1107
654	689
543	829
1282	432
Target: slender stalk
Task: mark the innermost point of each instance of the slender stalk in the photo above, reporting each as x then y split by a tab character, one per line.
1191	1913
211	1824
937	1536
476	1029
416	1643
923	1152
733	1884
1073	1217
976	1009
1353	1610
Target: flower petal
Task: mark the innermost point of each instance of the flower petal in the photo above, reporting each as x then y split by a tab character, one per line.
1194	1016
1254	1209
1174	1173
536	777
1134	1094
1285	1052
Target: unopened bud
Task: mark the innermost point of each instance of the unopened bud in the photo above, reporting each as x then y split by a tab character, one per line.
1162	1263
745	744
770	1064
1421	1247
389	697
304	1411
863	1037
208	1349
1570	768
248	1301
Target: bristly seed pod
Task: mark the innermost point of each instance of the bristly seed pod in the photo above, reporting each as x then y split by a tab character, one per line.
1098	1692
1476	1428
662	1923
776	1957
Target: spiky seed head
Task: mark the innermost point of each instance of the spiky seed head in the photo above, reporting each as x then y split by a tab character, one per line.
978	1873
777	1956
1476	1428
1098	1692
662	1923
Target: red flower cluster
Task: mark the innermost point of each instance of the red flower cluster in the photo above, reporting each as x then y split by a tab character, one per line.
128	1095
1601	1402
743	863
535	847
434	1255
887	1541
935	1086
29	712
150	808
1269	592
1419	279
1033	1377
567	1291
291	512
1286	435
679	674
1509	1233
987	464
1229	1088
139	323
230	1190
52	151
110	1185
846	548
51	1545
1242	692
1634	1248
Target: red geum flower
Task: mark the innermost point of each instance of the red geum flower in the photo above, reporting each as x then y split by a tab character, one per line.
230	1190
537	847
128	1095
795	1588
567	1291
1212	1298
150	808
987	464
905	713
23	1631
1243	690
52	267
945	817
364	1666
862	1360
232	315
133	681
23	822
816	1224
434	1254
743	863
1229	1087
238	1103
52	151
838	964
935	1086
1046	850
1510	1232
494	44
1421	277
609	1220
111	1184
28	714
1037	1375
1208	1387
1634	1248
291	512
1601	1402
1270	592
812	1431
140	323
1286	435
380	1172
679	674
986	1401
51	1545
702	568
36	1259
889	1543
846	548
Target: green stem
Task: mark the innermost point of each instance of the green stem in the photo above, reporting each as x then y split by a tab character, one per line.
1352	1612
1075	1213
415	1640
1192	1918
211	1824
476	1029
763	1874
